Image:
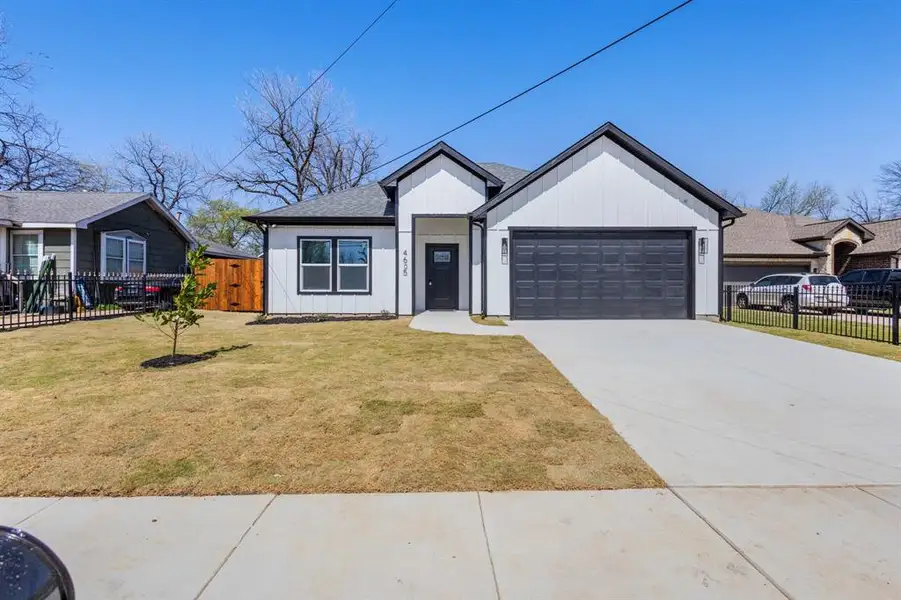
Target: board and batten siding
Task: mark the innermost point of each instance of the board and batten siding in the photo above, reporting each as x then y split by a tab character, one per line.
5	259
439	187
281	277
166	248
604	185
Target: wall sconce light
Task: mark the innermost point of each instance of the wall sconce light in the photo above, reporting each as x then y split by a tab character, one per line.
702	249
505	251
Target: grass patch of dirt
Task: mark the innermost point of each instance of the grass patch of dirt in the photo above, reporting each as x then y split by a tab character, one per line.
880	349
366	406
489	321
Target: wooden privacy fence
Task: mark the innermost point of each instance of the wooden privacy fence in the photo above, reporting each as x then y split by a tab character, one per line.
239	284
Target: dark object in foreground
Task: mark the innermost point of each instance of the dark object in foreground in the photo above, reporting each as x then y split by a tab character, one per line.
30	570
320	319
170	360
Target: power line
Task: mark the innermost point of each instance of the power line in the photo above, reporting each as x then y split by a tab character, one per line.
535	86
309	87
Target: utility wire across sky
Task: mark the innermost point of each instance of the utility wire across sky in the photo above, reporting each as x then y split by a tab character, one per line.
534	87
309	87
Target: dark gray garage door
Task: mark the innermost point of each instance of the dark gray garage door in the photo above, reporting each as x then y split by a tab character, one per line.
644	274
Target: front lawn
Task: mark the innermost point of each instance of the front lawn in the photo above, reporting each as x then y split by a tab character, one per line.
325	407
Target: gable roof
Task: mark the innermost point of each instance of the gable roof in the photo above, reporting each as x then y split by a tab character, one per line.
366	203
826	229
75	209
887	237
436	150
636	148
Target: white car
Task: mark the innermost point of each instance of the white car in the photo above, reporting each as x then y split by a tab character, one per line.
818	292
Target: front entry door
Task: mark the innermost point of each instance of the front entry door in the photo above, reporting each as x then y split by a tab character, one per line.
442	276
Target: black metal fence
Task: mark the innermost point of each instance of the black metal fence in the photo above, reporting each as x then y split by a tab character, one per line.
864	311
32	300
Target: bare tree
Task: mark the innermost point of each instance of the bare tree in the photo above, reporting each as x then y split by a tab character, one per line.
31	156
783	196
819	199
889	182
298	146
145	164
863	209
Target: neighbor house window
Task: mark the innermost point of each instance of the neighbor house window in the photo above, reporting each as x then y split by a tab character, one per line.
27	249
353	265
122	255
316	265
334	265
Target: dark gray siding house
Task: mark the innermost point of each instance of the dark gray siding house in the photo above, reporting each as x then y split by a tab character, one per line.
90	232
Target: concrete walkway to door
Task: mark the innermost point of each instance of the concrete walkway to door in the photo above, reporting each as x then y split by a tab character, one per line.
454	321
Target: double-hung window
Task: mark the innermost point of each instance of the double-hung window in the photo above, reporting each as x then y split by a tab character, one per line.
353	265
123	255
26	252
316	265
334	265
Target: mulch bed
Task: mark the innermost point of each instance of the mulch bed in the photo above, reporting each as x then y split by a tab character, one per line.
164	362
320	319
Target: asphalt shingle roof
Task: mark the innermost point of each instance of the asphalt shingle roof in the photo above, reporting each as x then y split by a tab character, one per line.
888	237
760	232
59	207
369	200
223	251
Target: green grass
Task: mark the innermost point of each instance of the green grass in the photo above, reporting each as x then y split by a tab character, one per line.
869	347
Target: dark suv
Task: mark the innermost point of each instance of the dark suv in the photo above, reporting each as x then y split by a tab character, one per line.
154	295
871	288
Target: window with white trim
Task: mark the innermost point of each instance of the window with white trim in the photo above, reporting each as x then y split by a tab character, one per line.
316	265
26	251
353	265
137	256
121	254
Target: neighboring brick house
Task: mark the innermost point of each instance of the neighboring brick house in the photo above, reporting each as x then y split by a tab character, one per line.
762	243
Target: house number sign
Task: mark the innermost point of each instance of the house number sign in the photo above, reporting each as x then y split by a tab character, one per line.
405	263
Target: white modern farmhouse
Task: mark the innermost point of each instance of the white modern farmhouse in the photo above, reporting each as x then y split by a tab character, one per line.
607	229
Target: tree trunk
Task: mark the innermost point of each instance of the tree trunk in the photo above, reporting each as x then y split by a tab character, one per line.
174	342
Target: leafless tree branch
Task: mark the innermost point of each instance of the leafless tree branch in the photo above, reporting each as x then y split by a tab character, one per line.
144	164
298	149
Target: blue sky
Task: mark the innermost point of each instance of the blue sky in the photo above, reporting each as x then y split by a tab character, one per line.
735	93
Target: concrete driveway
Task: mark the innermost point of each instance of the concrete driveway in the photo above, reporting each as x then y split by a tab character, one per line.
711	405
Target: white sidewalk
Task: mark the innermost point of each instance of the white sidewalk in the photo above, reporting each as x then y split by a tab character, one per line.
817	543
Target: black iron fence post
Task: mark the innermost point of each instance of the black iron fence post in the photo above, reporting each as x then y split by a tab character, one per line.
729	303
796	310
144	293
71	293
896	310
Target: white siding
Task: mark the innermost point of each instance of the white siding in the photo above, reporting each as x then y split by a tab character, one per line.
283	296
476	270
440	187
604	185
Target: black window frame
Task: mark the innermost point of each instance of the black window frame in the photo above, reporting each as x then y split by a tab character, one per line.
334	265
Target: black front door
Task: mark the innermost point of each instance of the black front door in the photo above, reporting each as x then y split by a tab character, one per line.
442	276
